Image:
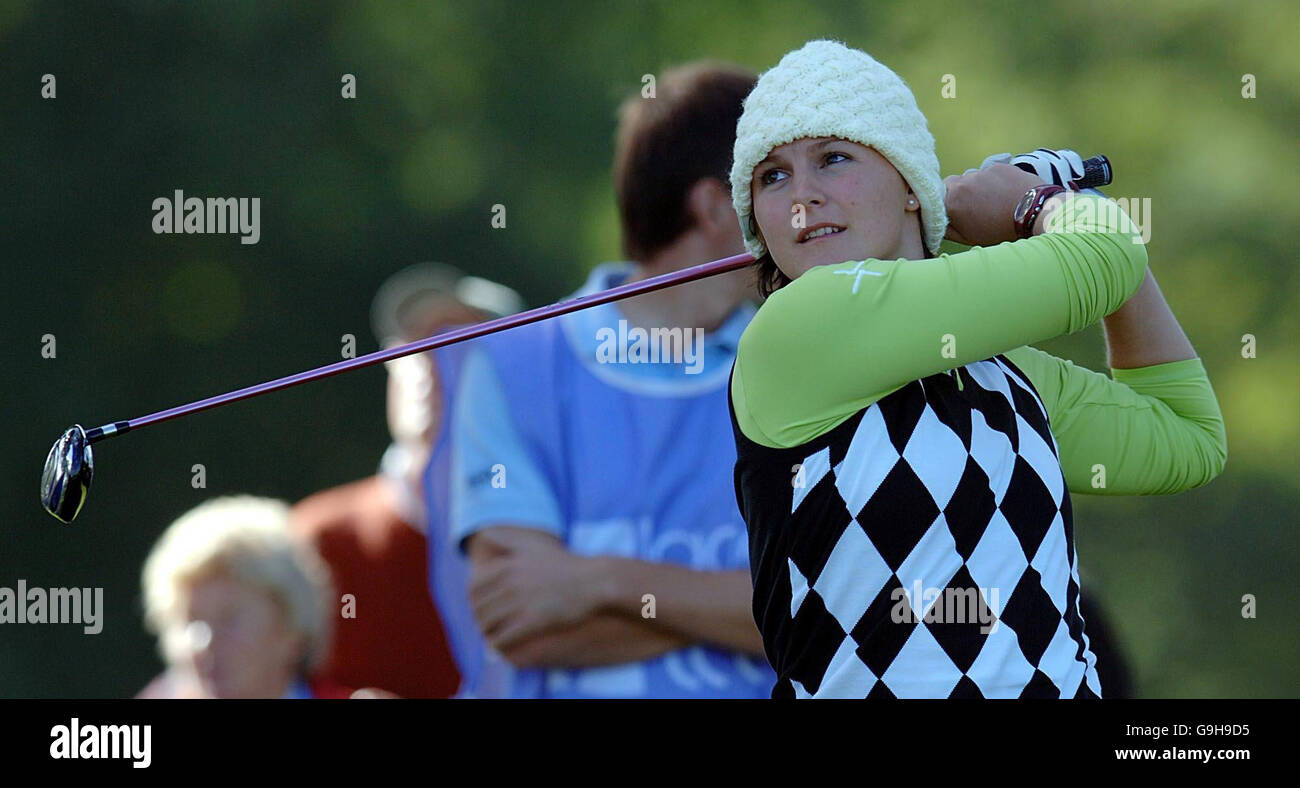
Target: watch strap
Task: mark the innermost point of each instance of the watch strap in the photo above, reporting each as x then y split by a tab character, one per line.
1037	197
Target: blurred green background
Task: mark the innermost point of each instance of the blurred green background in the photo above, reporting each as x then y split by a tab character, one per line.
461	106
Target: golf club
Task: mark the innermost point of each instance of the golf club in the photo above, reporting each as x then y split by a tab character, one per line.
70	465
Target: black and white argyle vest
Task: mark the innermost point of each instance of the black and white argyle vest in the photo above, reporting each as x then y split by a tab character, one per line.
924	548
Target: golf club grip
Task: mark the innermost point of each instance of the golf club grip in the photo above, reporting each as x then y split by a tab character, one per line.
1096	173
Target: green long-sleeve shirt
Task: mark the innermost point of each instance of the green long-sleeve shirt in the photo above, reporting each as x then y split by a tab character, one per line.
842	337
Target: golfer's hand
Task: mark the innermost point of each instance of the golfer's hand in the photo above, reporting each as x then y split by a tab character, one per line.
530	587
980	204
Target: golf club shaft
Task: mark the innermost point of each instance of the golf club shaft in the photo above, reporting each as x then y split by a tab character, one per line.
1097	173
429	343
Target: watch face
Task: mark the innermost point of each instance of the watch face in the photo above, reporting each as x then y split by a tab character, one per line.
1022	207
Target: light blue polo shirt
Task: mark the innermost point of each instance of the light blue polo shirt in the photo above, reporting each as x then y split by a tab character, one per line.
618	443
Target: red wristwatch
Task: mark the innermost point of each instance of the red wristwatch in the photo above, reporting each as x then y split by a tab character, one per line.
1031	205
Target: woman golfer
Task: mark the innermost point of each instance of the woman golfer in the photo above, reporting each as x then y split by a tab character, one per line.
905	460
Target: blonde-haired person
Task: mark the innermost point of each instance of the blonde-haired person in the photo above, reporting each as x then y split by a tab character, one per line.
241	608
905	459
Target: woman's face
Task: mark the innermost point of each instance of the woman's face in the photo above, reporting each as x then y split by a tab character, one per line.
846	188
236	641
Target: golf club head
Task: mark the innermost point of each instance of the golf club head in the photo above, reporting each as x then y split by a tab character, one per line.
68	471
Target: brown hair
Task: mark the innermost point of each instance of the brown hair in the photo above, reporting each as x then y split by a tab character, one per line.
668	143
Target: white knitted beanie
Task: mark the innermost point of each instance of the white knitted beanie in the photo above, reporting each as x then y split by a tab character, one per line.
827	89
